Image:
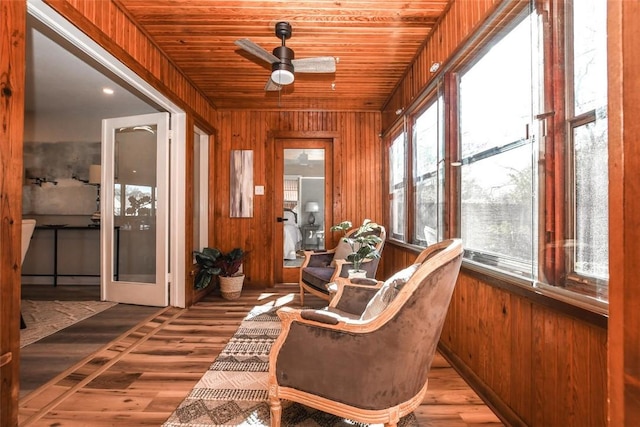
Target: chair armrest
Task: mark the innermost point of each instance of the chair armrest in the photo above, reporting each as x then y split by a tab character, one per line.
289	315
319	316
366	281
353	298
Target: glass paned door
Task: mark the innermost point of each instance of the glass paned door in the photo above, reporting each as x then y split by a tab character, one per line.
134	212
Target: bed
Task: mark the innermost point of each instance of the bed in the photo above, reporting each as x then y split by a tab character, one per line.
292	234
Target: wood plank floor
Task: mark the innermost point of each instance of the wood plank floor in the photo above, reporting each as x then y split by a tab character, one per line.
140	378
48	357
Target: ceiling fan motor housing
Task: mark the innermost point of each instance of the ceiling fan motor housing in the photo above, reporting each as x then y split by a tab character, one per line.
282	71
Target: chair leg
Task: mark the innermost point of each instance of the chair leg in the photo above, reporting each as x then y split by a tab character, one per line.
301	296
276	412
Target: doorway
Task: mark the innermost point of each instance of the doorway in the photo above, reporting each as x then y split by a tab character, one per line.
303	185
80	107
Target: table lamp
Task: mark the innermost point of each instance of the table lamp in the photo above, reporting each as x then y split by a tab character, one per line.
311	207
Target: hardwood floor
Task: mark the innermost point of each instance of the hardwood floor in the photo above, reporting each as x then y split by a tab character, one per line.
48	357
141	377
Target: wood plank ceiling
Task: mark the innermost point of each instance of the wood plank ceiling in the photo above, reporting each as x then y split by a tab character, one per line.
373	41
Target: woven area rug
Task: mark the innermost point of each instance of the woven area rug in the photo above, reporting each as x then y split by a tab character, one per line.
44	318
233	392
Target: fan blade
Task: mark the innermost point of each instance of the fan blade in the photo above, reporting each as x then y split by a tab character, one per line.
319	64
256	50
272	86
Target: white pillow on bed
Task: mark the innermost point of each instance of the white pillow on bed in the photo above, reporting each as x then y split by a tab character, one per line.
290	218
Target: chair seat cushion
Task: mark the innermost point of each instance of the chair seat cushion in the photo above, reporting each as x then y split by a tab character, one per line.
387	292
317	277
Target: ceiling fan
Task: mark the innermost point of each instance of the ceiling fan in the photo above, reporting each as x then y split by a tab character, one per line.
283	64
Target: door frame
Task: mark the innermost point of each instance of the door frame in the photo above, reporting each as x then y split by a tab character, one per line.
333	201
177	150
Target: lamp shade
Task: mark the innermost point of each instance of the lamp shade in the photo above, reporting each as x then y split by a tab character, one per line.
312	207
95	174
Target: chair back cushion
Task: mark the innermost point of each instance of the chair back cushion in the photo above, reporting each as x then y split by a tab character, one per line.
342	251
387	292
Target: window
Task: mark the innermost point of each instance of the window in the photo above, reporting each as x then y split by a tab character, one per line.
529	151
428	175
548	224
497	192
588	262
139	204
397	187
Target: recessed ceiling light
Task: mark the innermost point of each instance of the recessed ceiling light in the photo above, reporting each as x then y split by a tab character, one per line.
107	90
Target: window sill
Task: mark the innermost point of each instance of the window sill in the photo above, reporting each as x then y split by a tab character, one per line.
575	305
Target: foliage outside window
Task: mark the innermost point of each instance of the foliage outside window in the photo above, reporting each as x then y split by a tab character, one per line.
428	175
532	158
588	263
134	203
397	186
495	99
503	192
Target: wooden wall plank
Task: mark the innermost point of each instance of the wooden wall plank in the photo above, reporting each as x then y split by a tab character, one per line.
460	21
357	177
624	212
12	78
545	366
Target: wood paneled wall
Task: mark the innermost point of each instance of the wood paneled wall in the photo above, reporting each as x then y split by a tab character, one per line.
460	21
535	365
357	175
12	51
547	367
624	212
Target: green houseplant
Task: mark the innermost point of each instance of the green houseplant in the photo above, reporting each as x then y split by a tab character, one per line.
362	242
206	260
226	266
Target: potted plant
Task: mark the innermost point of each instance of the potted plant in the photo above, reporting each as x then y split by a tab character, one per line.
206	260
226	266
362	242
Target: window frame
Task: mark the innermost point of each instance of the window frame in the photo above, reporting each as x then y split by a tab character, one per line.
397	132
435	99
553	123
561	122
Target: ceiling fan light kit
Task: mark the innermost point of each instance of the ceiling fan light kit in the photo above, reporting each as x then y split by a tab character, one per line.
283	62
282	71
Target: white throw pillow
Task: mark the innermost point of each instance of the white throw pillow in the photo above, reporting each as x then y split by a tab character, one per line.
387	292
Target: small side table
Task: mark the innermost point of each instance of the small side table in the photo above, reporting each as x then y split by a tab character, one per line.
309	236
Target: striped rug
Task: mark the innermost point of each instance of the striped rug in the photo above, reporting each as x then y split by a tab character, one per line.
233	392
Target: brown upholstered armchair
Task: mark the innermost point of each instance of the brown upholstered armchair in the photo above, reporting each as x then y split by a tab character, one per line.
366	357
320	268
